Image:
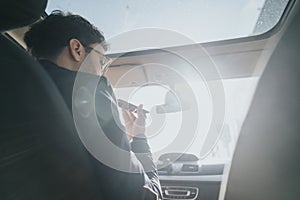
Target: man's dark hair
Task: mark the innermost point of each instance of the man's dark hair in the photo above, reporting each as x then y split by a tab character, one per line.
47	37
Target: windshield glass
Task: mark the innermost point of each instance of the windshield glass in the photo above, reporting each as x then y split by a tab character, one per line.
199	20
238	94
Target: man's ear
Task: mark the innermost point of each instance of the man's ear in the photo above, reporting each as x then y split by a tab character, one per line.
77	50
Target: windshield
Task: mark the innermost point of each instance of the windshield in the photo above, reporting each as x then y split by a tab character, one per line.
199	20
162	128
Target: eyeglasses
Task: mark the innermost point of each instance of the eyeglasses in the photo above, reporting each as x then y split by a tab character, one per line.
105	61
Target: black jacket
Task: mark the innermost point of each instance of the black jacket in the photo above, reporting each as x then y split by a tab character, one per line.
113	184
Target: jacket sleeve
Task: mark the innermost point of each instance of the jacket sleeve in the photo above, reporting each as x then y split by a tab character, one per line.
141	148
144	182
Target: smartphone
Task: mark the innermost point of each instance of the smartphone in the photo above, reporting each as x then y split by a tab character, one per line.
128	106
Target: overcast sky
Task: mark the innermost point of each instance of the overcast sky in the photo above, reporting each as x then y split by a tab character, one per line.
200	20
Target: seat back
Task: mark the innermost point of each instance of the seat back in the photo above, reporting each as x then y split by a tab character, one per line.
266	162
41	155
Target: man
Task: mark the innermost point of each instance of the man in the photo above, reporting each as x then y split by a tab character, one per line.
63	43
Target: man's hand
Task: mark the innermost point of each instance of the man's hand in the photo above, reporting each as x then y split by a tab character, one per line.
134	125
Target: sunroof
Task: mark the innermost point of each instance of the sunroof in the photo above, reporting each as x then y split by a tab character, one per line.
199	20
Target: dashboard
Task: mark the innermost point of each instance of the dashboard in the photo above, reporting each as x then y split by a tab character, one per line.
186	178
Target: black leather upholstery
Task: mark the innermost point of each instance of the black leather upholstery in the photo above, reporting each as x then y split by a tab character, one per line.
266	162
41	155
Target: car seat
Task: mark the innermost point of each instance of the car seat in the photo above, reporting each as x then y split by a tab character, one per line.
41	155
266	164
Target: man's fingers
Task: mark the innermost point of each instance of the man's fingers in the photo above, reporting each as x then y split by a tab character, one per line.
126	116
140	112
132	117
129	117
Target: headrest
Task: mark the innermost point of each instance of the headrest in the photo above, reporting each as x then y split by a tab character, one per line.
18	13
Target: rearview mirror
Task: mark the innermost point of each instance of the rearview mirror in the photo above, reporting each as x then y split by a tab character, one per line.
172	104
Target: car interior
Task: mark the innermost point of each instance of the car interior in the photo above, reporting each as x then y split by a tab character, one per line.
43	157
